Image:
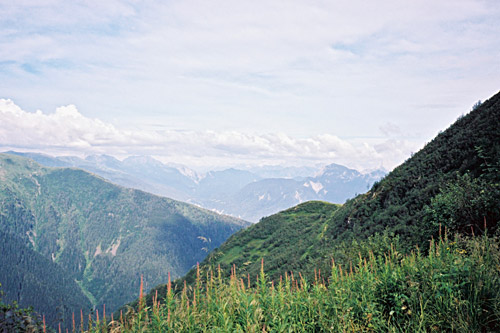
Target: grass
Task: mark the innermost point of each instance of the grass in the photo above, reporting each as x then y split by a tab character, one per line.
454	288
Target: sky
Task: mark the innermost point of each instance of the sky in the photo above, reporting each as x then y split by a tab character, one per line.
213	84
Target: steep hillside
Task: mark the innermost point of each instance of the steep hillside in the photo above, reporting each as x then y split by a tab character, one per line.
453	182
286	240
101	235
463	161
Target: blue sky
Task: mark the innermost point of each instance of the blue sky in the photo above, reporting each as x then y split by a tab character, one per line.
231	83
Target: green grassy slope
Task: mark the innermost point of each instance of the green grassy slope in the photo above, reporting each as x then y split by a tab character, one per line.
288	241
104	236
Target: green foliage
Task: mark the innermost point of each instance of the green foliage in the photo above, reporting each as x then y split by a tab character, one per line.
476	105
14	319
454	288
466	205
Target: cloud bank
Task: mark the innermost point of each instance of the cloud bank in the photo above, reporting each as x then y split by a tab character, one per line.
67	132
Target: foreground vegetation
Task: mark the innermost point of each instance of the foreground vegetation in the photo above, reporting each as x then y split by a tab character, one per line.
455	287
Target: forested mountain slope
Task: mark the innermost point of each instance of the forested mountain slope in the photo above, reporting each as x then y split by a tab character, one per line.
453	182
101	235
30	279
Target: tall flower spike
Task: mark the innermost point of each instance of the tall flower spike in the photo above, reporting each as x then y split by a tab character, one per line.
169	286
141	294
81	320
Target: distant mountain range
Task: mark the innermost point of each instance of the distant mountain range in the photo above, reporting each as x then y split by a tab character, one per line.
65	233
334	183
247	194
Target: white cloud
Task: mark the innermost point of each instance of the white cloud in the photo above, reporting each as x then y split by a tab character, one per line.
67	131
390	129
